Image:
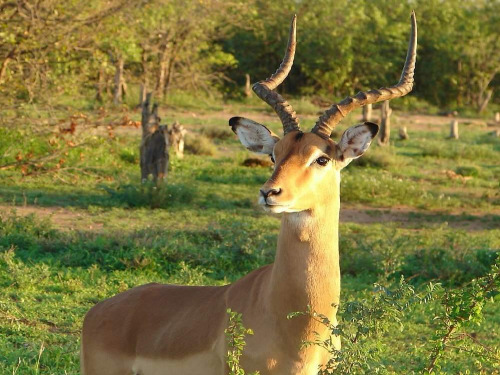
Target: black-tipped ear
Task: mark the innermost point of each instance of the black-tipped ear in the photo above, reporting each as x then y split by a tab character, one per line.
233	122
254	136
354	142
373	128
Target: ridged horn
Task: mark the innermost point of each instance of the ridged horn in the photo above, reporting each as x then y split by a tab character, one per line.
264	89
332	116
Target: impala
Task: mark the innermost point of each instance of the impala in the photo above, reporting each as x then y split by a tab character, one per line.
171	329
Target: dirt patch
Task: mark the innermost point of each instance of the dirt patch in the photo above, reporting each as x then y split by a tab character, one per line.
411	121
410	217
61	218
405	217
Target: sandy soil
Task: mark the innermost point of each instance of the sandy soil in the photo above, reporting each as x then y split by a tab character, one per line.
411	121
405	217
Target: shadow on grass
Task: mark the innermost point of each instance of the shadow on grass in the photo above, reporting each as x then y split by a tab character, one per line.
419	219
233	248
22	196
225	252
169	196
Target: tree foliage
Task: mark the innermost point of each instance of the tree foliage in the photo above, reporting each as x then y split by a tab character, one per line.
91	47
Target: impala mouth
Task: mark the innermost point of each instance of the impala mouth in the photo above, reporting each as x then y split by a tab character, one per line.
273	206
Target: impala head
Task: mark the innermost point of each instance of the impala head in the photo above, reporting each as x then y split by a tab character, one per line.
307	164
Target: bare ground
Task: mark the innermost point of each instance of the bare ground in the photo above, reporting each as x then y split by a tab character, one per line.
405	217
411	121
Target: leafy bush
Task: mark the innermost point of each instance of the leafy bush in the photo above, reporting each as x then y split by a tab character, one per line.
24	231
380	157
455	150
471	171
463	309
217	132
150	195
448	267
199	145
130	156
453	257
235	340
361	326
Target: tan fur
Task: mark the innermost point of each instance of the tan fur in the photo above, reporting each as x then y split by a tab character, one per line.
167	329
176	139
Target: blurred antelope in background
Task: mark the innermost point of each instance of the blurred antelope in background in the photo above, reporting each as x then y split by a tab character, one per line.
154	144
176	138
171	329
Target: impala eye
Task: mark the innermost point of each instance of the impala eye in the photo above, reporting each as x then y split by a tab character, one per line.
322	161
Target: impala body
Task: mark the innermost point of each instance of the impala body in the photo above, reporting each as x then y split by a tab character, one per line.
168	329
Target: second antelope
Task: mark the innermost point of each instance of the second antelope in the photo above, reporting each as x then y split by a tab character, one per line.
171	329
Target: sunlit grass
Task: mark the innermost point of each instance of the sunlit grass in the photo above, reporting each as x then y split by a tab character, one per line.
204	225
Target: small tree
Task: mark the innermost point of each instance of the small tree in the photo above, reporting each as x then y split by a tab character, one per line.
235	340
454	129
367	112
385	124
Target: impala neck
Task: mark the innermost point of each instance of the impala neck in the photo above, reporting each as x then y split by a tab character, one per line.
306	271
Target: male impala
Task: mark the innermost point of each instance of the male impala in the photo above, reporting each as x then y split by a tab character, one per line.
170	329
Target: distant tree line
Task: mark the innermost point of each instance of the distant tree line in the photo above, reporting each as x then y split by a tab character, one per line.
101	48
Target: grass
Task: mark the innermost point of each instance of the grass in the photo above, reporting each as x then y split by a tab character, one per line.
75	270
110	233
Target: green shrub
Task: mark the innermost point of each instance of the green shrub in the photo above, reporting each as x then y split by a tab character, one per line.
235	339
150	195
379	157
449	267
457	150
217	132
199	145
130	156
453	257
362	326
305	106
471	171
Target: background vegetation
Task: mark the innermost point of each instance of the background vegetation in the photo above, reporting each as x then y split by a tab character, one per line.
106	49
76	225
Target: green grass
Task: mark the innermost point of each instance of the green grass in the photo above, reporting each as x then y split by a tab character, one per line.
205	227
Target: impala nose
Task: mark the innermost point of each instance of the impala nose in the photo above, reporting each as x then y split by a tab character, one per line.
266	193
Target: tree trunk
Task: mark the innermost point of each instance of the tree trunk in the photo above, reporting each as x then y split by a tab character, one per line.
100	85
403	134
248	90
170	73
162	74
117	96
460	88
454	129
142	94
124	88
144	84
145	114
385	124
485	100
367	112
5	64
177	45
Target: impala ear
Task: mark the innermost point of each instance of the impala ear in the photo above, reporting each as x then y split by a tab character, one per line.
354	142
254	136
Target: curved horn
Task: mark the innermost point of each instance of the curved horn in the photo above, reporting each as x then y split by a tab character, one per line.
264	89
326	123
